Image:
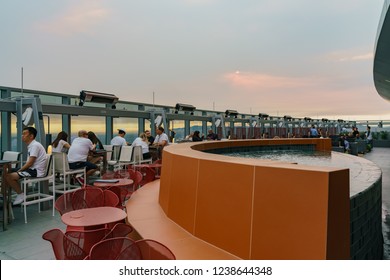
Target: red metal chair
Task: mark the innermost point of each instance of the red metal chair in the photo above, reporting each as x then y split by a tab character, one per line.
111	199
137	178
87	197
119	230
63	247
117	248
63	203
158	170
122	193
85	239
131	171
148	175
154	250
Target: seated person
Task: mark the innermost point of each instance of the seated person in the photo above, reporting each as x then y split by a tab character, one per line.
160	142
78	154
196	137
149	137
161	139
60	144
93	158
142	141
119	140
35	165
189	136
211	135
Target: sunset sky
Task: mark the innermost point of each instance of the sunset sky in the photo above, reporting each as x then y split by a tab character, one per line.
299	58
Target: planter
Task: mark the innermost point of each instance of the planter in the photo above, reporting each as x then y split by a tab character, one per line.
382	143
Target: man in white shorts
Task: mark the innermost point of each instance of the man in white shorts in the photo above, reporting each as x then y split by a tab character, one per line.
119	140
34	167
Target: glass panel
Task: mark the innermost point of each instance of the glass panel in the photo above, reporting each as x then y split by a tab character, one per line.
124	106
89	123
147	124
45	99
53	124
130	125
13	133
178	127
196	125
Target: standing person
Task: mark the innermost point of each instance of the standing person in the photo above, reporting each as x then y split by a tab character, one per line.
313	131
60	144
78	154
142	141
119	140
34	167
149	137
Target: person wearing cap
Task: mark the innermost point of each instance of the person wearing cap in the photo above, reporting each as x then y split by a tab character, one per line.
119	140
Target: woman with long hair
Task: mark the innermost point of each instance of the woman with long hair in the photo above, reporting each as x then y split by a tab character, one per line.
60	143
95	140
95	158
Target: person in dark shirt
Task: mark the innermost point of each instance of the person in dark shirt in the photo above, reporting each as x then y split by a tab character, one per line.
211	135
149	137
196	137
355	132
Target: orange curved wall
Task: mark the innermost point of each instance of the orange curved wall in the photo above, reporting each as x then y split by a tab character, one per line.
258	209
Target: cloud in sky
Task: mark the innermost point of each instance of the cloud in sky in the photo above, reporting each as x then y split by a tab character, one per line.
263	81
344	56
80	17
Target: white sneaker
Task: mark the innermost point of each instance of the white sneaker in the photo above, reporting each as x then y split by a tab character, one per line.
19	199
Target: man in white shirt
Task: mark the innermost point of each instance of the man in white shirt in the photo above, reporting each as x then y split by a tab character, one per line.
160	142
78	154
119	140
35	165
161	139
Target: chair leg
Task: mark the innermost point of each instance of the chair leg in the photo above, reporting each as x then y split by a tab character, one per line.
11	211
39	195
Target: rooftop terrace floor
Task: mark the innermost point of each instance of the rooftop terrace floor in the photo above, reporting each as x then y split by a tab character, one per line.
24	241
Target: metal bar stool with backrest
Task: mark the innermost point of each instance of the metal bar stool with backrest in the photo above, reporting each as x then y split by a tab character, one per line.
125	157
138	157
39	196
115	153
62	168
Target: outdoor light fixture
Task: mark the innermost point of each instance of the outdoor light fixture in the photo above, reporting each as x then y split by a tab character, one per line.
263	116
231	113
98	97
185	108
